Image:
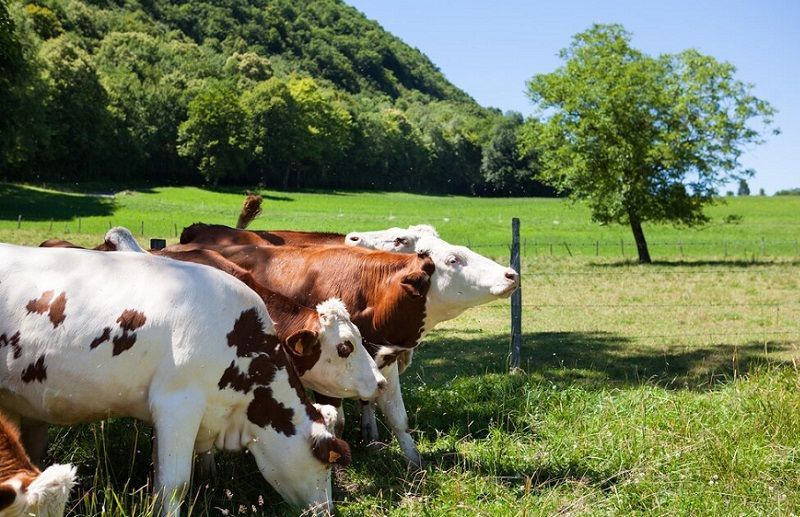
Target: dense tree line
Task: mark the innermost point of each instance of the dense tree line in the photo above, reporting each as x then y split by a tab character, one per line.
286	93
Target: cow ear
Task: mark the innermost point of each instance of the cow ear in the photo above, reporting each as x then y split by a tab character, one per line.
302	342
7	496
333	450
416	283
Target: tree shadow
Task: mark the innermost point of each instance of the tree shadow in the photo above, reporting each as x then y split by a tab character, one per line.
594	359
37	205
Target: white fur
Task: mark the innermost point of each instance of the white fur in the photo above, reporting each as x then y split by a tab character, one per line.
168	377
123	239
356	375
462	279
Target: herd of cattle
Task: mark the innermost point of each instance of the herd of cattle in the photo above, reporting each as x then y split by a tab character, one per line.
215	340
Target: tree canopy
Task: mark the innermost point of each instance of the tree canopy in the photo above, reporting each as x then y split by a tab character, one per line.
287	93
641	138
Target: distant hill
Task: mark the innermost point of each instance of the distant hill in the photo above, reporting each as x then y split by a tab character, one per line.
286	93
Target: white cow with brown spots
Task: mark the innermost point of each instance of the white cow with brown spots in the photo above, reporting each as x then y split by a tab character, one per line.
86	336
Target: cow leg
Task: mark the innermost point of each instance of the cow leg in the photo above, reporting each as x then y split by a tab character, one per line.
176	419
392	406
369	425
34	439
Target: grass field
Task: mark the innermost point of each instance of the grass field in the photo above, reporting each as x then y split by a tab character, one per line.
670	389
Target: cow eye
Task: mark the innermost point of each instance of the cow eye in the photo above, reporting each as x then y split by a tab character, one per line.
452	260
344	349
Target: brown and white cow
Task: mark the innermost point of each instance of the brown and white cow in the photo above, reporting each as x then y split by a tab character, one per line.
24	489
332	358
86	336
392	298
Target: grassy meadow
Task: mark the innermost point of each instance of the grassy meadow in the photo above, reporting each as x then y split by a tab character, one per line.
670	389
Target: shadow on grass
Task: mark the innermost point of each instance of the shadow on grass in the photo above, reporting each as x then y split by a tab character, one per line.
37	205
593	360
228	189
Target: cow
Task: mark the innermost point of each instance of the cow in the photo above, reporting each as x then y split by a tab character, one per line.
86	336
24	489
393	298
335	362
393	239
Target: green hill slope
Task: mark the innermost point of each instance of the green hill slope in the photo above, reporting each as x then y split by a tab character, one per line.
278	92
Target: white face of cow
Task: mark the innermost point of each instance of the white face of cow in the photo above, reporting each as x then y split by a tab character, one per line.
344	368
294	472
463	279
393	239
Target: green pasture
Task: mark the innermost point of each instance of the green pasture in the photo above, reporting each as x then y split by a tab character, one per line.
669	389
740	228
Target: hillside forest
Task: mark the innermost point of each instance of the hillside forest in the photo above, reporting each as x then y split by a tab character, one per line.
285	94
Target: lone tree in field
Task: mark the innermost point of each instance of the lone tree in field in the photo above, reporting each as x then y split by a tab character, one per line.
641	138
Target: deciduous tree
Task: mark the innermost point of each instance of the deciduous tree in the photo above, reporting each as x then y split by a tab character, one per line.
642	138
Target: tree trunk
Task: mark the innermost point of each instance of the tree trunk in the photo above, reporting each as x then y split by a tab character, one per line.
641	242
286	175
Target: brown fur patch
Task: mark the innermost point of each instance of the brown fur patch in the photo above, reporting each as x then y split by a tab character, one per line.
41	304
236	379
131	320
35	371
13	459
332	450
105	336
264	410
247	336
13	342
57	308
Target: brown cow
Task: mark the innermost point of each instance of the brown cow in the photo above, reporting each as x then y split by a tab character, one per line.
24	489
393	298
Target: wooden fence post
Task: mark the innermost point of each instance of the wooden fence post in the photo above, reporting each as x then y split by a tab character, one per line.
516	298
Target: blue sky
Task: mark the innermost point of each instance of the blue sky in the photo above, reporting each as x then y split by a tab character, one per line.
490	48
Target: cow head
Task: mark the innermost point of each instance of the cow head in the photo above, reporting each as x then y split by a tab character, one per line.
344	368
463	278
393	239
120	239
299	466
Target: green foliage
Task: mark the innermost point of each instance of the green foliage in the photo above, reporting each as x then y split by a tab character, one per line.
744	188
641	138
213	136
786	192
45	22
363	109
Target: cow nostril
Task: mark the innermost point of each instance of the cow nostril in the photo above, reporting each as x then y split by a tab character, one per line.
512	275
354	238
382	385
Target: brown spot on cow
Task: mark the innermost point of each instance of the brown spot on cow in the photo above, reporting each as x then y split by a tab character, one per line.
35	371
236	379
131	320
13	342
105	336
56	314
40	305
264	410
55	308
247	336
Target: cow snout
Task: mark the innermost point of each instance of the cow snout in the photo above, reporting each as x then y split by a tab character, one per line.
354	238
382	385
512	275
